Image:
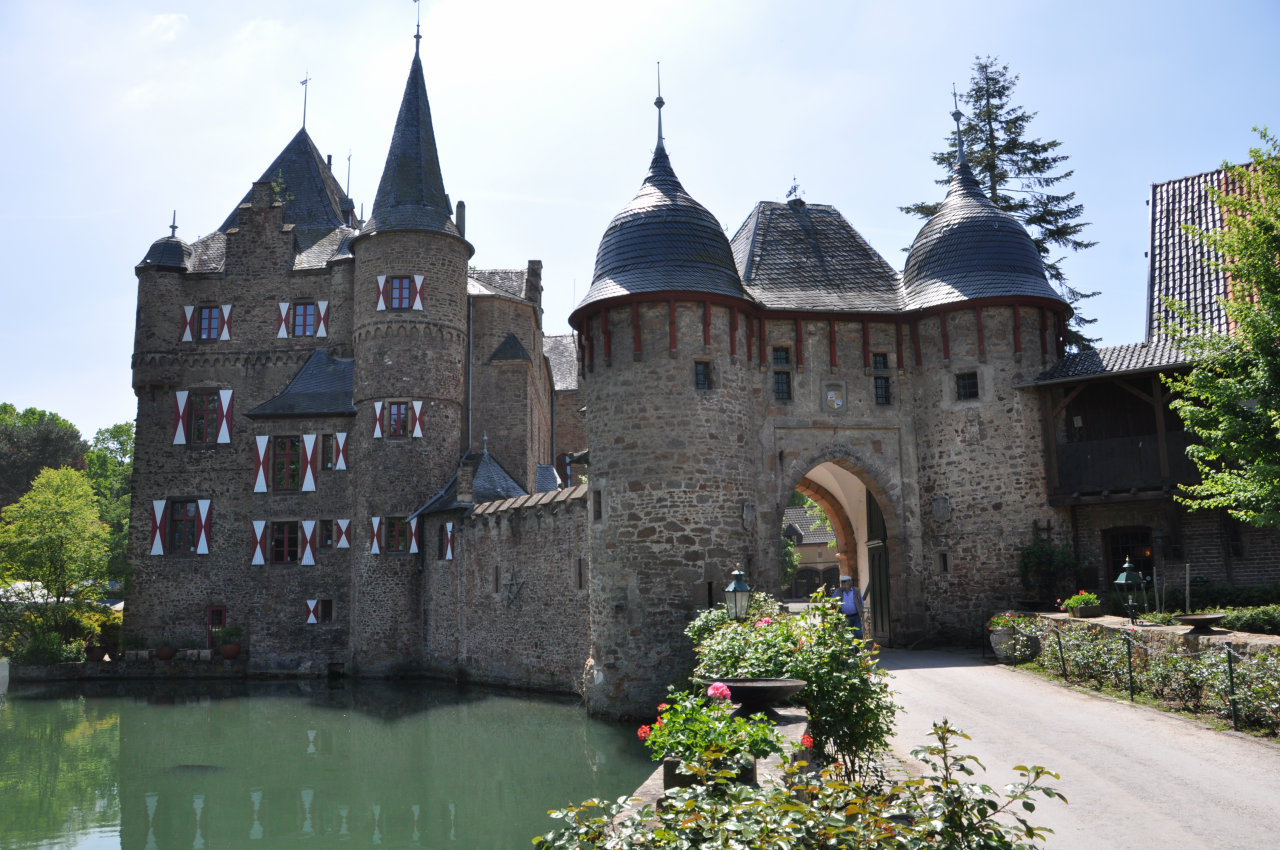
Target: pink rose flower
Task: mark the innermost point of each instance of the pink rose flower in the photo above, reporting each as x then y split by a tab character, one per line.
764	621
718	690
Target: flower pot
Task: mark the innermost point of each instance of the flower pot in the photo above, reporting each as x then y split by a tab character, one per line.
1012	647
673	778
166	652
229	651
1083	611
95	653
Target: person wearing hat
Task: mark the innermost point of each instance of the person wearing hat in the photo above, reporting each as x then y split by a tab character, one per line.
851	604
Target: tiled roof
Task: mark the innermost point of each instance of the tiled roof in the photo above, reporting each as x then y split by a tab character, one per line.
798	256
562	354
411	192
510	349
316	247
1116	360
311	194
972	249
322	387
1179	262
663	240
489	483
208	253
812	529
169	252
501	281
548	478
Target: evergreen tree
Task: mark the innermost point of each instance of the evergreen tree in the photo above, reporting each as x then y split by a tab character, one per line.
1018	175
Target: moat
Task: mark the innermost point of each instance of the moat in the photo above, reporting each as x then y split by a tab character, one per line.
155	765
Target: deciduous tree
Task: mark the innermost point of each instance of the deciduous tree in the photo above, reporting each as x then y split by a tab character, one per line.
109	464
30	441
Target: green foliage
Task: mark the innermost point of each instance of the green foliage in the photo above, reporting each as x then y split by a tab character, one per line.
1230	399
1217	596
1017	174
48	647
1079	599
32	440
228	634
1011	620
790	561
708	622
1262	620
850	706
109	464
941	810
701	730
1043	567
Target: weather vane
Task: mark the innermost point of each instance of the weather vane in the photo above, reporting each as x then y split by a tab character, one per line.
306	79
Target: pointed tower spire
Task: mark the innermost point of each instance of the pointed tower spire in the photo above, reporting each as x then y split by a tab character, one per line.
411	193
956	115
659	102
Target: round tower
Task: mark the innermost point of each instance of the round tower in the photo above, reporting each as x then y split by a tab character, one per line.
410	344
667	385
989	322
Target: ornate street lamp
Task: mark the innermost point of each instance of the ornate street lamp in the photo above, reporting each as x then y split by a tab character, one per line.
1128	583
737	596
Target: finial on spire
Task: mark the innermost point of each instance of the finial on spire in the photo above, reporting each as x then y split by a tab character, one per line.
173	228
659	102
417	35
306	78
956	115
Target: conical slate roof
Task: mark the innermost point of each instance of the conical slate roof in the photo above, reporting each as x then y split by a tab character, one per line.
312	197
411	193
972	249
663	240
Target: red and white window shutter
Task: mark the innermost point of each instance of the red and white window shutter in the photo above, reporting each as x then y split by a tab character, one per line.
309	463
375	535
418	293
322	318
202	533
180	418
413	535
448	541
416	424
340	443
224	416
341	537
160	511
313	611
377	420
382	292
259	542
188	323
225	334
308	543
260	464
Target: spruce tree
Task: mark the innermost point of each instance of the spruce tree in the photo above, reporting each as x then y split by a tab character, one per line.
1018	175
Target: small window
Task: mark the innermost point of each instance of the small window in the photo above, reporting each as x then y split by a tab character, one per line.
397	419
400	292
880	361
326	611
943	563
395	534
285	541
304	318
202	417
782	386
597	511
326	534
782	357
701	375
286	463
210	323
184	527
328	451
966	386
883	390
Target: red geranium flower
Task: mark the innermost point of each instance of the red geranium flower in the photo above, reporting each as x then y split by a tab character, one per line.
643	733
806	741
662	706
718	690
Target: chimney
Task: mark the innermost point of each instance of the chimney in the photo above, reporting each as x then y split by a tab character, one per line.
462	219
329	161
466	475
533	287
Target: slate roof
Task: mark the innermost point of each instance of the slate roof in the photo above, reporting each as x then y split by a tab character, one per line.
510	282
322	387
562	354
489	483
547	478
798	256
1112	361
510	349
810	528
663	240
169	252
411	192
1179	263
972	249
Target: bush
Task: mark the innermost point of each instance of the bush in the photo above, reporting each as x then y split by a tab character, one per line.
1216	596
48	647
701	729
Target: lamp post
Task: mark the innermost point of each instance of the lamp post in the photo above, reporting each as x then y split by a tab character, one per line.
1127	583
737	596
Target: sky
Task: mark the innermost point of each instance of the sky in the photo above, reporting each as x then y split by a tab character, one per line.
118	114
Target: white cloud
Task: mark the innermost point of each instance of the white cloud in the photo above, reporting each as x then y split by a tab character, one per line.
164	27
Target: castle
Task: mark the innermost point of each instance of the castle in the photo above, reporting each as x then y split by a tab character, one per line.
368	454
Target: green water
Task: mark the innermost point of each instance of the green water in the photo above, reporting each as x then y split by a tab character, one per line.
144	766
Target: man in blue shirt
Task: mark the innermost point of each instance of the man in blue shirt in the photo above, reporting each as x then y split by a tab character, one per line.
851	604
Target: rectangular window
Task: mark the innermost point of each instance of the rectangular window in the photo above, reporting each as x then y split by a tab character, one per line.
395	534
286	462
210	323
326	611
400	290
328	451
397	419
883	395
326	534
782	357
701	375
880	360
596	508
184	527
284	542
202	417
782	386
966	386
304	318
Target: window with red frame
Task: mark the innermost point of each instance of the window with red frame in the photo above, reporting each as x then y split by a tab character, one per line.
285	542
305	315
210	323
400	293
202	417
397	419
286	462
184	527
395	535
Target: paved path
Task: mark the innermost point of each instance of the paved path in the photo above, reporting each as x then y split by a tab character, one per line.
1134	777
